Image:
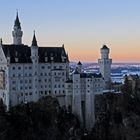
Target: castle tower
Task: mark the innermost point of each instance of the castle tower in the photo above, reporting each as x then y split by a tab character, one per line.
76	98
17	33
34	57
79	67
105	64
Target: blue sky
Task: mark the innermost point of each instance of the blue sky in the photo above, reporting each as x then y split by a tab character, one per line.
82	25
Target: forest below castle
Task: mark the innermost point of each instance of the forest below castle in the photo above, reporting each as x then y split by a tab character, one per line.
117	118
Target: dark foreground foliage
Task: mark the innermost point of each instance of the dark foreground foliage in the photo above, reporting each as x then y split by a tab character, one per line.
44	120
117	116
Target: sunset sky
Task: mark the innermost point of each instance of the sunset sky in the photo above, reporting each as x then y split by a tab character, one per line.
82	25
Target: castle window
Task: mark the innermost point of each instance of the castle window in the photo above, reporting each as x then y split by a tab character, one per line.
13	68
14	88
54	67
19	68
30	81
55	91
63	91
43	67
63	73
60	67
30	74
14	82
30	93
30	67
49	67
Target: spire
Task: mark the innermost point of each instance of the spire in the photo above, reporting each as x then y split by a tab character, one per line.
104	46
34	42
79	63
17	23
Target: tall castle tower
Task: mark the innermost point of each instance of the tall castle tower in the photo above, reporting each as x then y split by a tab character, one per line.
17	32
34	57
105	64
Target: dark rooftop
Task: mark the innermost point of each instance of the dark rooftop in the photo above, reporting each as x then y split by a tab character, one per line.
23	53
104	47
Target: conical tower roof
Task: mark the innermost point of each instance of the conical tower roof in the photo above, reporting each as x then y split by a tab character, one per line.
34	42
17	22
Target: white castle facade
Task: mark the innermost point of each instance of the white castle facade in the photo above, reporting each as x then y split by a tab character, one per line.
28	73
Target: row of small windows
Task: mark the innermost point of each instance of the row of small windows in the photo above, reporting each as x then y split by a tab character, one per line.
59	73
26	94
45	92
42	67
19	75
105	62
21	81
21	88
58	86
41	74
19	68
55	92
59	91
30	81
30	87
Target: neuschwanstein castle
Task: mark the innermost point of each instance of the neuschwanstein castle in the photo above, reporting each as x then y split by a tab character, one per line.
28	73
